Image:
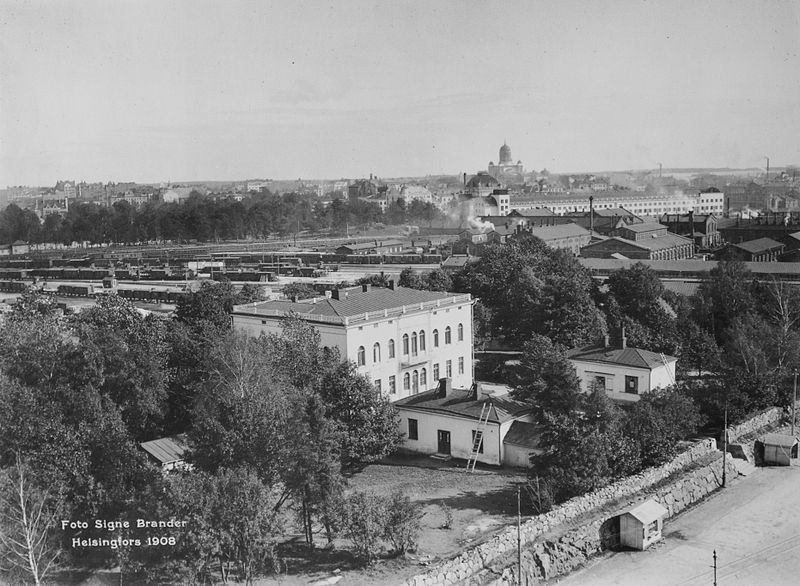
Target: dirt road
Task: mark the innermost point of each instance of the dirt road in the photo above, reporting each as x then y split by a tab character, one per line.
754	526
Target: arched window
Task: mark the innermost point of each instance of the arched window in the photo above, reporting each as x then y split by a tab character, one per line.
376	352
423	378
406	382
405	343
414	343
447	335
422	341
460	332
391	348
415	382
435	338
362	357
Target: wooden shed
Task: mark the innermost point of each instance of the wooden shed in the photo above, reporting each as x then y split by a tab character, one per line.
168	452
641	526
779	449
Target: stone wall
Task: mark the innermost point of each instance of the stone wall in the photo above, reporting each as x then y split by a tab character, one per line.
489	560
766	418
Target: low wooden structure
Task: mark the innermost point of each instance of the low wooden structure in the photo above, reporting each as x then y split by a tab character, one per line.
779	449
641	526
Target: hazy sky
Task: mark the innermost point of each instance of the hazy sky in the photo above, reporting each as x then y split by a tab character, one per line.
151	91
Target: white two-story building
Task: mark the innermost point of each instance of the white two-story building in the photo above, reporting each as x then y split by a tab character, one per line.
403	339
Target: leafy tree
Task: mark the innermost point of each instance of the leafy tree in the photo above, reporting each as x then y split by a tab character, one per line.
364	519
726	295
402	523
658	421
299	291
375	279
699	351
411	279
637	290
368	421
547	380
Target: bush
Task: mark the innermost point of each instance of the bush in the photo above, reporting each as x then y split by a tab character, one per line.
364	519
448	516
402	523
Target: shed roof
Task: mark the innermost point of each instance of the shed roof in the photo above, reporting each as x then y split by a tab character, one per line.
779	439
559	231
648	512
166	449
523	434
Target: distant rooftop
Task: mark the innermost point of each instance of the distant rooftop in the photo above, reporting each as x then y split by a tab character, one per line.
462	403
758	245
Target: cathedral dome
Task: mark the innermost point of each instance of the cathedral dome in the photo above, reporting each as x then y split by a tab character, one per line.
505	155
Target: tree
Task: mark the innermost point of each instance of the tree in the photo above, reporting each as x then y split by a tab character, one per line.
368	421
411	279
657	422
299	291
637	290
363	520
402	523
547	380
726	295
28	519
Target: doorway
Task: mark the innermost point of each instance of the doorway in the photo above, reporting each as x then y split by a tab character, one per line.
444	441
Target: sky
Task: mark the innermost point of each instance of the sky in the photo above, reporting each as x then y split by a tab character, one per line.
153	91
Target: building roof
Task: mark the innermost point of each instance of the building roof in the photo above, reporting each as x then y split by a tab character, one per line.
645	227
666	241
523	434
458	261
461	403
166	449
633	357
356	305
559	231
758	245
779	439
648	512
373	244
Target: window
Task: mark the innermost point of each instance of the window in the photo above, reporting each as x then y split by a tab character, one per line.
447	335
405	344
392	385
477	440
460	332
423	378
406	381
413	429
436	371
599	383
414	343
376	352
415	382
632	385
422	341
378	385
391	348
362	356
460	365
435	338
448	368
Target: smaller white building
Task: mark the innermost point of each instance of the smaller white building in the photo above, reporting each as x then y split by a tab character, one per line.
445	421
642	525
625	374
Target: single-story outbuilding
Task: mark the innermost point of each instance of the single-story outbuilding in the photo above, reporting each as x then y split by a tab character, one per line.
446	421
168	452
641	526
779	449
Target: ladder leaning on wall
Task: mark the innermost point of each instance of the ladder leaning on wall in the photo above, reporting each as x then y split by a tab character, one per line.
477	439
671	376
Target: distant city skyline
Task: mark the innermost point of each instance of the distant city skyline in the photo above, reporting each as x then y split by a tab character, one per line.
212	91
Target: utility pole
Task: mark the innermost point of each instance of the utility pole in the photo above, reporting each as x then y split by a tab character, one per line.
519	538
724	451
715	567
794	399
767	158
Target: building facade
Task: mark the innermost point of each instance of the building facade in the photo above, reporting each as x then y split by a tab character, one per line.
403	339
640	204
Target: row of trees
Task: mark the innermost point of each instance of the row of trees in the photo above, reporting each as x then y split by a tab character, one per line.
276	424
204	219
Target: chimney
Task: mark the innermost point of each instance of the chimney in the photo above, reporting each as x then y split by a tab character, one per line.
445	388
392	284
365	287
465	179
591	213
624	339
328	294
607	341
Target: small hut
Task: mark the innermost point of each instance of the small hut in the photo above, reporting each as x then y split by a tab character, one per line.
641	526
779	449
